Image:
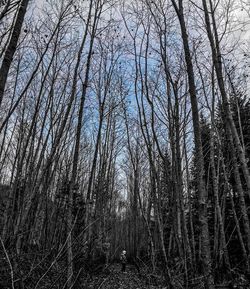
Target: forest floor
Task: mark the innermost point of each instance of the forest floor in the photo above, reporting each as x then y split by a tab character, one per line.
115	279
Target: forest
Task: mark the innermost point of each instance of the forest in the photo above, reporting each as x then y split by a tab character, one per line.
124	125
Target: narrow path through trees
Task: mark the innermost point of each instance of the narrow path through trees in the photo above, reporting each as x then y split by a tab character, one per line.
124	125
113	278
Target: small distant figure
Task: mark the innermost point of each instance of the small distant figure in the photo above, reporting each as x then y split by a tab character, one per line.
123	260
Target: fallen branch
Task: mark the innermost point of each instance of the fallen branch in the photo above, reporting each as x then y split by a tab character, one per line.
10	265
99	287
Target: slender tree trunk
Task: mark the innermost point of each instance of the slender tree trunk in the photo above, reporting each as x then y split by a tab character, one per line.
185	239
215	181
217	60
73	180
193	245
240	193
205	239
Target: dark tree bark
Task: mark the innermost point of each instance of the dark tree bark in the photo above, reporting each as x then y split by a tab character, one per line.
12	46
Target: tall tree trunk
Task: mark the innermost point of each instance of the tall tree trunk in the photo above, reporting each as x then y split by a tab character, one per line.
73	180
205	239
12	46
